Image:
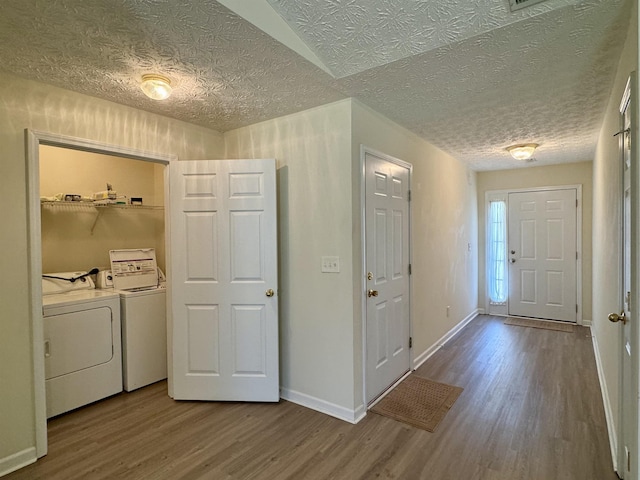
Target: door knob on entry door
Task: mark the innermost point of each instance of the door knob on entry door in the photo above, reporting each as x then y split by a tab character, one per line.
513	260
269	293
614	317
372	293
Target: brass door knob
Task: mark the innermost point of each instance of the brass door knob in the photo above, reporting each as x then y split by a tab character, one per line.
372	293
269	293
614	317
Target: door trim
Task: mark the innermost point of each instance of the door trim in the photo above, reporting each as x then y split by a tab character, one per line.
33	140
363	298
503	194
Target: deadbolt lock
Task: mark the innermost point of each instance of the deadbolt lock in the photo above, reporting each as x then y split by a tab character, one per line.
369	276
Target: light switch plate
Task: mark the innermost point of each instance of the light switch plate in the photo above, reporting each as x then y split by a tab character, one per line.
330	264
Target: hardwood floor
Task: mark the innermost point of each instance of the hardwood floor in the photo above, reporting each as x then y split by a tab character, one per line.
531	409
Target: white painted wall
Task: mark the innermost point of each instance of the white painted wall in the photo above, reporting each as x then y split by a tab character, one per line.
552	175
607	186
444	223
318	154
28	104
313	153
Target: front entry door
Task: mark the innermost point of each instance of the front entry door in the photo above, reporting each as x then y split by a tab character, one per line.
387	264
542	254
223	280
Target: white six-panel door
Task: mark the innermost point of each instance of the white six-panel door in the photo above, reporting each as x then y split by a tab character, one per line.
542	254
387	263
628	358
223	280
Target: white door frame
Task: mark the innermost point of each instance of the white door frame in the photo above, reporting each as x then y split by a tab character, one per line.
493	195
363	242
34	139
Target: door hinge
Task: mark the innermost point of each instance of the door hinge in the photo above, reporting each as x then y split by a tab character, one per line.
410	342
409	269
408	195
576	203
576	255
576	308
628	452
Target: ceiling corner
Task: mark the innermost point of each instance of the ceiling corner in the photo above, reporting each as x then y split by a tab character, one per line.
263	16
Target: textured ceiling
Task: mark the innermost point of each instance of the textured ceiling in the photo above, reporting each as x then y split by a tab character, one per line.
466	75
351	36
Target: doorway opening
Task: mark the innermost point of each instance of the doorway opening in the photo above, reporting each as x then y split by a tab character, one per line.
36	140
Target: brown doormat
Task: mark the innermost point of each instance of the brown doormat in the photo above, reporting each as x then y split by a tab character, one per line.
418	402
530	322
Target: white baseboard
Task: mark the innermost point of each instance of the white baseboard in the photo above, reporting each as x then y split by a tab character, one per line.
322	406
608	413
424	356
586	322
17	461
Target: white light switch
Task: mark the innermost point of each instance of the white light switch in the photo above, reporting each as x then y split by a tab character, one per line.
330	264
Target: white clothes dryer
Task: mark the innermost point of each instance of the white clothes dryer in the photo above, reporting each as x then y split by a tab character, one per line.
82	343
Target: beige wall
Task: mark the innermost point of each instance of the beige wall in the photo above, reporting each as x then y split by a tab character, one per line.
606	227
80	237
27	104
313	152
556	175
444	224
318	153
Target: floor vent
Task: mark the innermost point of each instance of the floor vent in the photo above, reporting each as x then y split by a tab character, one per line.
520	4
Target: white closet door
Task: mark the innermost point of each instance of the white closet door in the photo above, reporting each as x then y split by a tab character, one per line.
223	281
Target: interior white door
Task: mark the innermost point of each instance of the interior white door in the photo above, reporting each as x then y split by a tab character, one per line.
387	263
627	450
542	254
223	280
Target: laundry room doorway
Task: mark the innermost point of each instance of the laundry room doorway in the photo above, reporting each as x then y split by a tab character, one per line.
64	173
241	191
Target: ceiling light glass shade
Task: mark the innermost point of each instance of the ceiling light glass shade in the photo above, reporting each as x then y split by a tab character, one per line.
522	152
156	86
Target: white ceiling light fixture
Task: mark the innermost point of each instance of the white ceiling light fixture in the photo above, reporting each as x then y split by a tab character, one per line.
157	87
522	152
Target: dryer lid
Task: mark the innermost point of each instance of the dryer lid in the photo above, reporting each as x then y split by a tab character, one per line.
134	268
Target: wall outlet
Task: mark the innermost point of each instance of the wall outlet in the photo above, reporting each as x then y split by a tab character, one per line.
330	264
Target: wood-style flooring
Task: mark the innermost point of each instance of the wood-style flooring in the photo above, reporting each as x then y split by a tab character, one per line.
531	409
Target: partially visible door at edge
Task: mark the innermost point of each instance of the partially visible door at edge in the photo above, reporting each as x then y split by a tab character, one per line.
387	262
627	461
542	254
223	281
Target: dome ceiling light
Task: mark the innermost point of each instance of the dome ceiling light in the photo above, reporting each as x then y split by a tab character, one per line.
522	152
157	87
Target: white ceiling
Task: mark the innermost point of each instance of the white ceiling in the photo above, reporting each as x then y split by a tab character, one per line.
466	75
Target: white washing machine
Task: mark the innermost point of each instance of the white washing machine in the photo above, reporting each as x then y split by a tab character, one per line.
134	275
82	343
